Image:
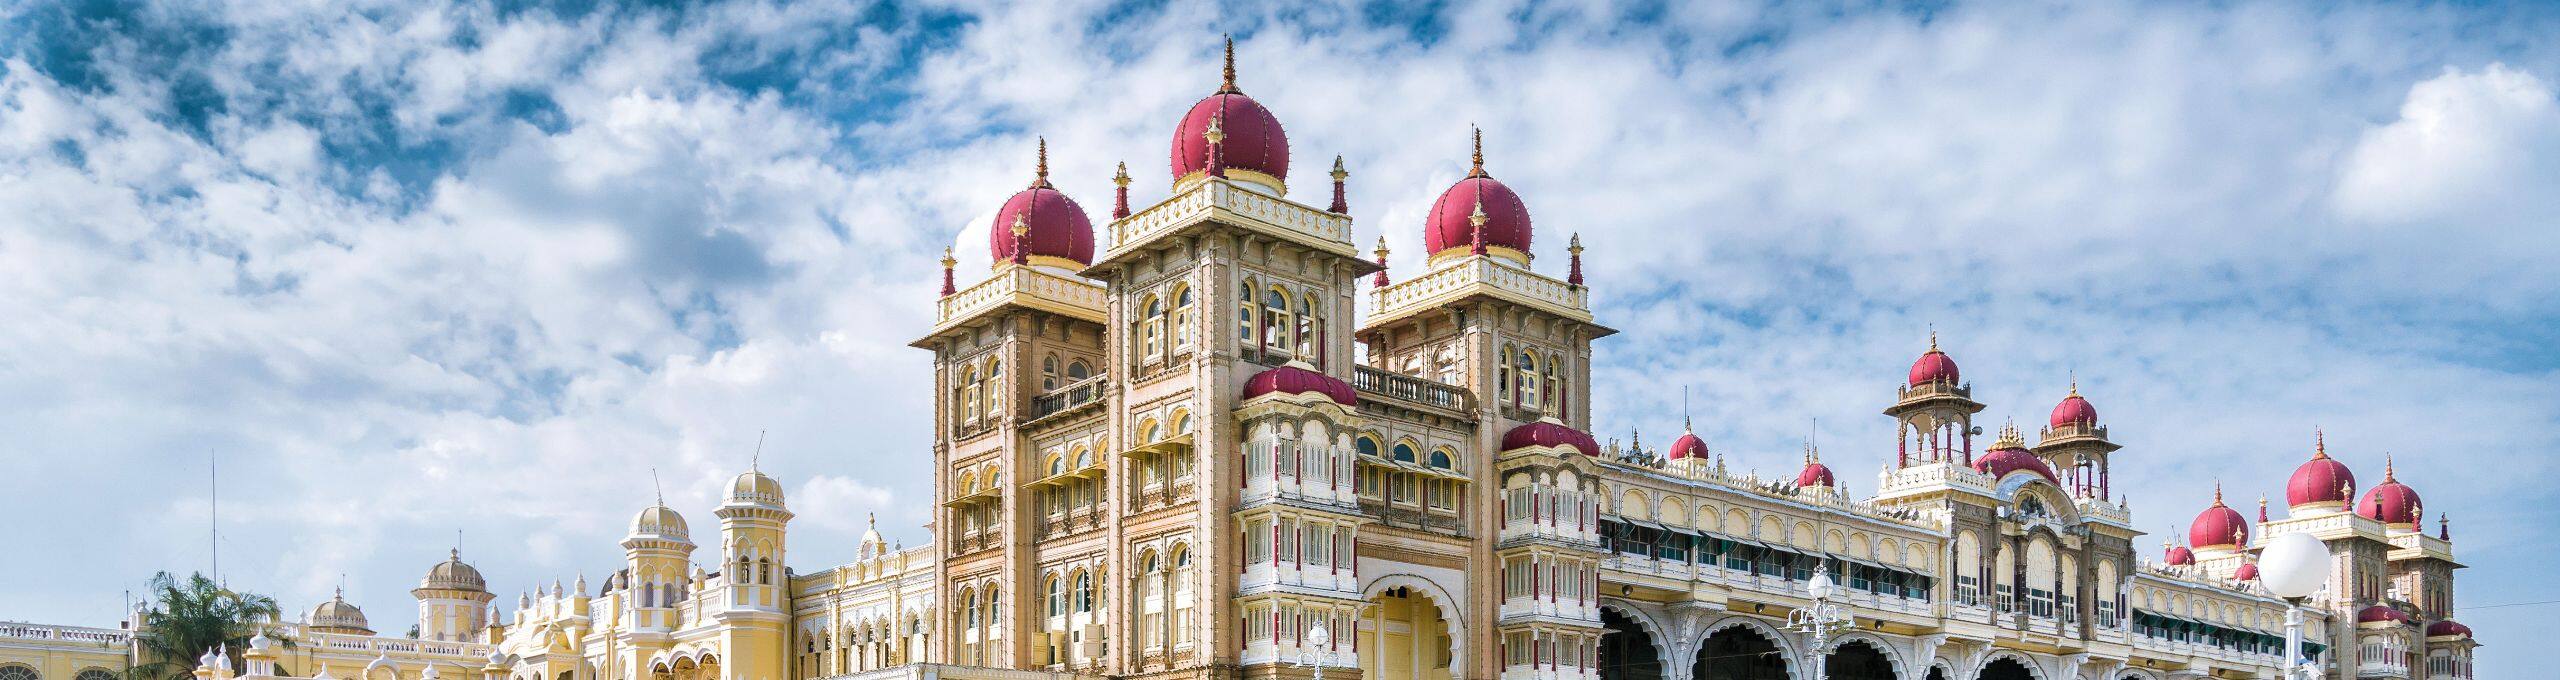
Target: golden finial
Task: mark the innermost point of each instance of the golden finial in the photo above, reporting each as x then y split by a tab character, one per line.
2319	444
1933	337
2386	467
1382	246
948	261
2009	437
2217	492
1021	226
1339	174
1122	178
1215	134
1478	170
1478	218
2075	382
1228	86
1574	245
1040	174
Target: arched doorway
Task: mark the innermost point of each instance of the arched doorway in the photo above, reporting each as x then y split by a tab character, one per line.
1937	673
1403	637
1626	651
1857	660
2006	668
1740	653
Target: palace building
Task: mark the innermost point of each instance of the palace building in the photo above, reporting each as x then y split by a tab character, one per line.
1175	451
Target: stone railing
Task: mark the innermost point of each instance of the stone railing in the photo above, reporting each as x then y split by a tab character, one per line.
1486	274
38	631
1934	388
2099	509
1408	388
1030	285
375	646
1932	475
1074	394
1224	200
1779	489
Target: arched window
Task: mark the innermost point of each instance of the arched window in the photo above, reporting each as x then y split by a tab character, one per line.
995	387
1244	315
1182	423
1366	446
1057	465
1403	453
104	674
1275	321
1057	596
1555	383
1440	459
1049	372
1184	614
1183	334
1307	325
1084	592
764	571
1502	376
1077	371
969	395
1528	372
1150	330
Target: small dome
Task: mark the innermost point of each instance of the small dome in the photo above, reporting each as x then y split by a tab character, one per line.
1300	378
754	488
2247	572
2218	526
2180	556
453	574
1253	147
1687	446
1934	366
2448	627
1550	432
1815	474
2320	480
338	615
1055	229
2073	410
659	521
2392	503
1451	224
2009	454
2379	613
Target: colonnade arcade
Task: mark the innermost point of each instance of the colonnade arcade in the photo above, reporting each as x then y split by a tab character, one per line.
1641	644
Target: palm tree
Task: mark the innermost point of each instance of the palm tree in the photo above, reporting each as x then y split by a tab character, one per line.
187	618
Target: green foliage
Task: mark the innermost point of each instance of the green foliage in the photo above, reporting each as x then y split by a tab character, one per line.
187	618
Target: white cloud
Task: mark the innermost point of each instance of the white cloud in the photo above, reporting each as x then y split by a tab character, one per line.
2468	148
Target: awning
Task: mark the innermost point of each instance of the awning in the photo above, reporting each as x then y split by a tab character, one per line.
1648	525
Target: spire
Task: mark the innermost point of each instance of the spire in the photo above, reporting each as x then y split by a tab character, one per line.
947	263
1120	192
1040	173
1022	234
1684	410
2262	508
1341	202
2444	528
2319	444
1228	85
1381	280
1476	220
2217	493
1574	274
1478	170
2386	468
1933	340
2009	438
2075	382
1217	136
755	463
659	486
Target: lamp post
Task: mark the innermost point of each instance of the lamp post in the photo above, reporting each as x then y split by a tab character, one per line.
1819	619
2294	566
1319	652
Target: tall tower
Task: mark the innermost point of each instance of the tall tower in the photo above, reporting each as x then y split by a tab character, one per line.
1934	413
1026	345
453	601
655	556
1517	341
755	584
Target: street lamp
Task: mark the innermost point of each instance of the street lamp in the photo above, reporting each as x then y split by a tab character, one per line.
1820	619
2294	566
1319	652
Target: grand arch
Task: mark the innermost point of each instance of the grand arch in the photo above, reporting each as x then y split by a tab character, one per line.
1426	617
2008	665
1864	656
1744	648
1633	648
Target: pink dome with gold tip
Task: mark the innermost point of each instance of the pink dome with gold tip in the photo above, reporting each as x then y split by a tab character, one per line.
2218	526
1687	446
1934	366
1299	378
2074	410
1550	433
1252	138
2320	480
2392	502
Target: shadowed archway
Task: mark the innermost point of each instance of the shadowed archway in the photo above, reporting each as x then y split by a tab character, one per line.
1626	650
1858	660
2005	668
1740	653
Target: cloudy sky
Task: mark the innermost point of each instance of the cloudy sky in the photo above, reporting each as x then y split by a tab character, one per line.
413	268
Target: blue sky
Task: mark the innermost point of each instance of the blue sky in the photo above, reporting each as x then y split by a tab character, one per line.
409	268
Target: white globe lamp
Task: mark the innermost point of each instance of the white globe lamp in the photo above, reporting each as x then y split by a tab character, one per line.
1318	637
1820	586
2294	566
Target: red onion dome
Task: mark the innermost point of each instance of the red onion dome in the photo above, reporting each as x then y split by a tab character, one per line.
2447	627
2391	502
1253	147
1688	446
1451	224
1300	378
2320	480
1815	474
1934	366
2009	454
2180	556
1056	229
2380	613
1550	432
2218	526
2247	572
2073	410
